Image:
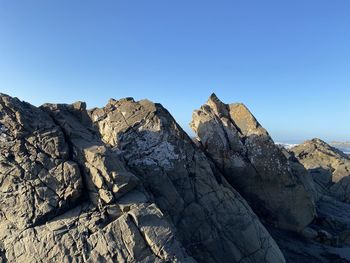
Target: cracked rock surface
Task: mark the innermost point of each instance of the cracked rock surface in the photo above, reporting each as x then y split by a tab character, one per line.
276	186
213	222
124	183
37	180
67	197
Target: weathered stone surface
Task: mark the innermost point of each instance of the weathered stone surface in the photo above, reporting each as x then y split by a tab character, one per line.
124	183
213	222
85	234
324	241
329	167
37	181
105	175
41	185
275	185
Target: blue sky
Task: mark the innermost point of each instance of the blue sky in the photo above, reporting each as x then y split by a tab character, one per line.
288	61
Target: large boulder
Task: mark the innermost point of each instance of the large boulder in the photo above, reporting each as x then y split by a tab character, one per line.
274	184
213	222
329	167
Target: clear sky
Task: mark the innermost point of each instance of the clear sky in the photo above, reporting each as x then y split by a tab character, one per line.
287	60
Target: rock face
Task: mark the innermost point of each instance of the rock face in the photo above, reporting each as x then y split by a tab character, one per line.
67	197
106	176
37	179
275	185
329	167
119	184
213	221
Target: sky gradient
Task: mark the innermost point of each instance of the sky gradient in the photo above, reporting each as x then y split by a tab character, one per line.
288	61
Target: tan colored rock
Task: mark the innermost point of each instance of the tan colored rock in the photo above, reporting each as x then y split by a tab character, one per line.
274	185
42	217
104	171
213	222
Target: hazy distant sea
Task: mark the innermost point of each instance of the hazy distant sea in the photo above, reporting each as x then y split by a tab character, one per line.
344	150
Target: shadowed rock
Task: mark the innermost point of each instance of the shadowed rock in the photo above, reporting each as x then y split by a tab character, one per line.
275	185
329	167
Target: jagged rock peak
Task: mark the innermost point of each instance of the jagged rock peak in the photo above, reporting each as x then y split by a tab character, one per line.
65	195
275	186
119	184
238	113
320	145
184	183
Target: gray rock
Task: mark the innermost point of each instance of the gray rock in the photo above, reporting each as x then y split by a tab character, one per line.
275	185
37	181
51	160
105	174
213	222
329	167
87	235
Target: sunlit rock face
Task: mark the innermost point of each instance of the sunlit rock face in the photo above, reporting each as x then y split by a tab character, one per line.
275	185
329	167
37	179
67	197
119	184
214	223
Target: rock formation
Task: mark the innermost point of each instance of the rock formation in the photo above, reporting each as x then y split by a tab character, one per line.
275	186
212	220
59	186
329	167
38	180
119	184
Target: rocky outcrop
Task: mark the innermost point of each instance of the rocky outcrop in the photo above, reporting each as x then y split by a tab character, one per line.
124	183
105	175
37	179
274	184
67	197
329	167
213	222
120	184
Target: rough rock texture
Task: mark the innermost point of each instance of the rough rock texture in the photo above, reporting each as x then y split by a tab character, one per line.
84	234
67	197
106	176
329	167
125	183
37	181
327	238
213	222
275	185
